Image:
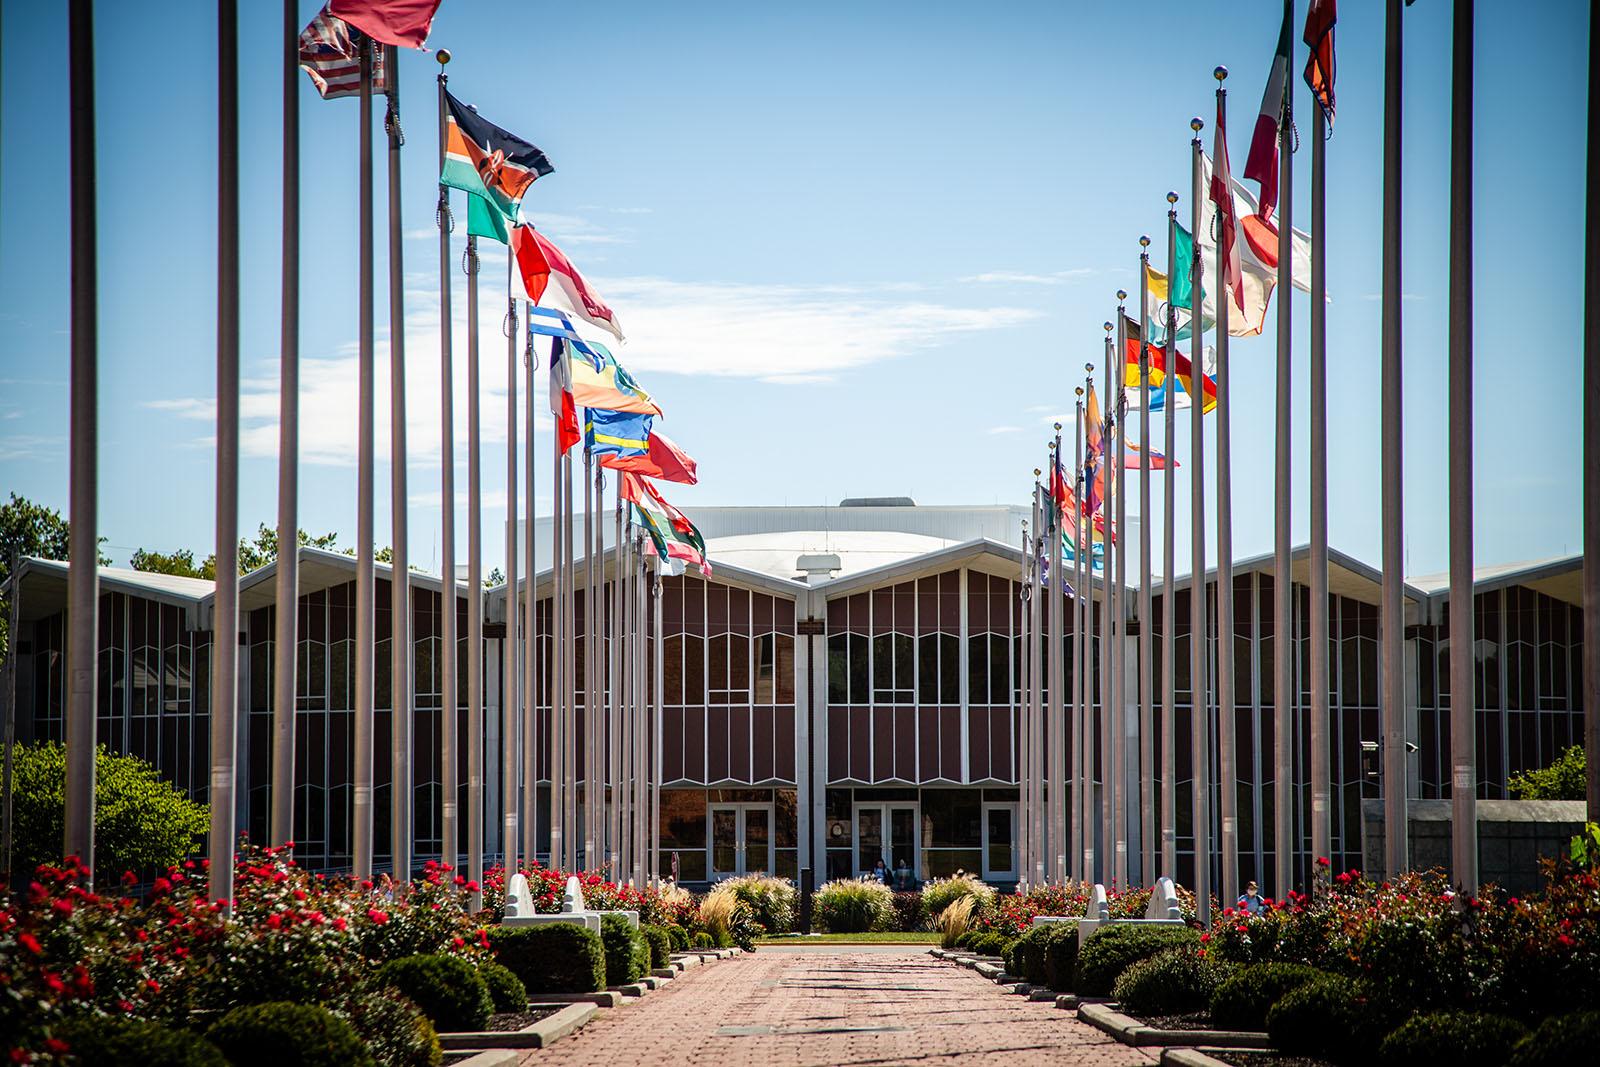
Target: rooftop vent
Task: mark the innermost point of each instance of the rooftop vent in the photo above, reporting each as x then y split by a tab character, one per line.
817	567
877	502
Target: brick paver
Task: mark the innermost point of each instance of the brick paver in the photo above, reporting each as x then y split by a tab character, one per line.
783	1008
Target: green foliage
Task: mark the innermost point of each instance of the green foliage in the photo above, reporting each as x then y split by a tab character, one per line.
1560	1041
771	900
940	893
850	906
1061	956
395	1031
142	823
1175	982
1585	847
98	1041
1563	780
1333	1018
29	529
701	939
1025	955
253	555
1243	1000
991	944
448	989
680	937
659	941
1110	950
552	958
506	990
1459	1039
273	1034
627	954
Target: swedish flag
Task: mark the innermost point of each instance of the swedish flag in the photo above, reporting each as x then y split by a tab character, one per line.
616	433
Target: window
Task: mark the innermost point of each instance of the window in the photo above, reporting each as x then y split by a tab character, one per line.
893	669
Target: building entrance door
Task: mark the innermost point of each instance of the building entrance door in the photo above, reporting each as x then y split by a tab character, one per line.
999	843
887	832
741	839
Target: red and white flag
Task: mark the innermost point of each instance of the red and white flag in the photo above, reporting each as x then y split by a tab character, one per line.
1227	224
403	23
665	461
562	405
1262	163
541	263
1320	64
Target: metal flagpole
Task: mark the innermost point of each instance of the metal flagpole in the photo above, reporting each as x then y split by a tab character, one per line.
1025	674
511	699
591	629
560	638
1119	652
1200	690
474	586
1075	765
402	691
530	625
624	679
1037	669
1591	433
1055	712
225	618
1169	559
449	650
285	638
1086	684
614	701
1227	753
365	606
1391	632
1147	837
1317	630
1107	626
1463	716
569	671
656	691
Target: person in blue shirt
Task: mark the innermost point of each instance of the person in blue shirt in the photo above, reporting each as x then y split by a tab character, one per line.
1251	902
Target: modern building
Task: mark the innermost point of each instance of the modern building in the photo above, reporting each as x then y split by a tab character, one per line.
842	689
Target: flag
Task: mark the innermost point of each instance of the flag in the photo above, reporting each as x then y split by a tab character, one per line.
403	23
1064	500
540	262
665	461
616	433
330	52
1320	64
1262	163
1258	258
562	405
1135	458
608	385
1221	187
482	159
1157	354
672	535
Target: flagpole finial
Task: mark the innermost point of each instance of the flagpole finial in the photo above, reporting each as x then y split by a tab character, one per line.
1079	390
1144	240
1058	430
1088	368
1197	124
1221	73
1036	473
1172	197
1107	327
1122	295
443	56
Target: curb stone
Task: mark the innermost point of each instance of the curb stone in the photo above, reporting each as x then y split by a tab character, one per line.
1131	1031
488	1058
1048	996
1192	1057
540	1034
605	998
1067	1001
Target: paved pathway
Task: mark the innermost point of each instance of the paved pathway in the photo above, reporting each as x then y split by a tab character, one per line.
847	1006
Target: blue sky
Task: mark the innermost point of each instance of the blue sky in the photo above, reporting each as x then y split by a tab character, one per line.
859	250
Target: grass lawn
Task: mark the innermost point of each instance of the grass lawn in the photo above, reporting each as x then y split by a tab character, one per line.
887	937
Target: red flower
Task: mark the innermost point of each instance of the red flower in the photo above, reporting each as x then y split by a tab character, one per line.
378	917
31	943
54	982
161	886
56	1045
64	906
1565	941
1322	861
153	985
274	921
1204	938
459	942
339	924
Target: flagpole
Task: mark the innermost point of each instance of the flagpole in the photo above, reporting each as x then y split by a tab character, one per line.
560	638
614	703
1119	652
1317	630
657	690
1227	752
530	625
365	606
1147	838
511	702
1463	715
1200	693
402	698
1090	652
449	645
1591	434
1107	629
1169	557
1055	787
287	616
1075	766
590	629
1038	668
623	698
1391	627
1025	674
474	585
225	619
569	670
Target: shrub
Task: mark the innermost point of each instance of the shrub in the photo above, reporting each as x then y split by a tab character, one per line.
506	991
553	958
1175	982
908	913
1243	1000
1333	1018
395	1030
103	1042
269	1035
940	893
448	989
627	954
1458	1039
849	906
1111	949
680	937
771	900
659	941
716	914
991	944
1565	779
953	923
1025	955
1061	956
1560	1040
701	939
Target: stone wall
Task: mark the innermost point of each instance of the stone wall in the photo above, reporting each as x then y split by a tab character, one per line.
1513	835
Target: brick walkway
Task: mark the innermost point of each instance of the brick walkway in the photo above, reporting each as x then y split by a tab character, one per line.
784	1008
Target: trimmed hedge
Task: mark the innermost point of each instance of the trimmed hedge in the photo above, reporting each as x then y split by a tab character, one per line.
394	1030
552	958
627	954
1175	982
1333	1018
1110	950
1025	955
102	1042
680	937
279	1032
1560	1041
1459	1039
448	989
1243	1000
1061	956
659	942
506	990
990	944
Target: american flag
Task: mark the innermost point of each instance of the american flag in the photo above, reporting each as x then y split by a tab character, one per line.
330	51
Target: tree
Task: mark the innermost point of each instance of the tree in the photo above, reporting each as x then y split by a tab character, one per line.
142	822
1564	779
180	563
253	554
29	529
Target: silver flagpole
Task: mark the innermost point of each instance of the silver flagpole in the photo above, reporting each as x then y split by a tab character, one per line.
1105	852
1119	650
1080	589
402	691
449	644
1055	712
287	617
1591	434
624	678
1391	625
569	671
1286	691
1147	837
225	624
1037	669
1463	716
656	691
365	606
1169	559
591	629
474	586
560	690
511	671
1200	698
1317	424
530	625
1090	651
1025	674
1226	750
614	701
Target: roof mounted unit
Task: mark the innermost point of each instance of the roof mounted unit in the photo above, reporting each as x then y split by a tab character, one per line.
817	567
877	502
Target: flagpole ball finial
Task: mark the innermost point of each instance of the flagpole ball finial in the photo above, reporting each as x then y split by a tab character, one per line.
1197	124
1144	240
1220	73
1036	473
1107	327
1172	198
443	56
1079	390
1122	295
1058	430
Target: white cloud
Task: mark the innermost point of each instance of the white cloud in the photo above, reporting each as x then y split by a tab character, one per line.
1003	429
1015	277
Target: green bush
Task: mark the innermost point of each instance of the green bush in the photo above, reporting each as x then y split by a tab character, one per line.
1110	950
1563	780
448	989
1243	1000
552	958
1560	1041
1175	982
1061	956
627	954
771	900
659	942
680	937
991	944
273	1034
701	939
1332	1018
939	893
1025	955
849	906
395	1031
968	939
506	991
142	822
103	1042
1453	1039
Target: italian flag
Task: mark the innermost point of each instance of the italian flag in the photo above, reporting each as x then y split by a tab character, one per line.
1262	163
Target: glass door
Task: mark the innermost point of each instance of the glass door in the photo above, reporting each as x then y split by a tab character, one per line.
869	837
756	834
741	839
999	843
887	832
724	841
901	855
